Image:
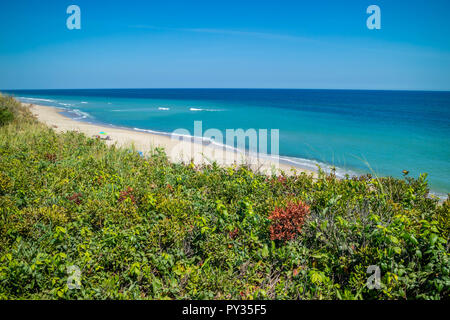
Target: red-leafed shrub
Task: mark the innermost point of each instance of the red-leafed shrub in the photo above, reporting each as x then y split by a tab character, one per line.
76	198
287	222
280	179
50	157
127	194
233	234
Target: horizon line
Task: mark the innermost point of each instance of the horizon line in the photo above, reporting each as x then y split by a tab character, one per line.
224	88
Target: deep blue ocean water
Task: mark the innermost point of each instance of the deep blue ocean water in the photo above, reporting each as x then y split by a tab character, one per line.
381	132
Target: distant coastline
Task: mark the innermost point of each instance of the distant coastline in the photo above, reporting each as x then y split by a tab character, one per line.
145	141
354	131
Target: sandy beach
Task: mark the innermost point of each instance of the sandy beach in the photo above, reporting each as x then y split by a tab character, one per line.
177	150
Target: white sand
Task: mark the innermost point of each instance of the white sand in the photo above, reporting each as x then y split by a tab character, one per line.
175	149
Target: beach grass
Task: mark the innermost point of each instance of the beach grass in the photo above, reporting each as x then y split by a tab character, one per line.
80	219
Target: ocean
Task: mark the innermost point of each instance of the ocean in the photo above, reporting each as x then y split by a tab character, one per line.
356	131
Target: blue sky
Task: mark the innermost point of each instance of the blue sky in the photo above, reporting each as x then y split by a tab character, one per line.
225	44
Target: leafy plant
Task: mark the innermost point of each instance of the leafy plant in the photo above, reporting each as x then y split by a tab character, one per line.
287	222
6	116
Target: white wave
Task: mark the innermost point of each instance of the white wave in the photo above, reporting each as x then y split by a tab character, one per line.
80	114
134	110
151	131
83	102
210	110
37	99
162	108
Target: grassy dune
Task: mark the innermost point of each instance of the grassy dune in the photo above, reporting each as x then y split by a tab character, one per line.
145	228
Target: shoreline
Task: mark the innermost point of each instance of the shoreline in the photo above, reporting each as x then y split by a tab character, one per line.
145	140
176	150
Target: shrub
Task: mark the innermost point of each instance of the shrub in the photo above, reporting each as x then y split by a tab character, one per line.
76	198
127	194
6	116
287	222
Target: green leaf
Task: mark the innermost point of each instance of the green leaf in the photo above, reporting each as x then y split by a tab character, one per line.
413	239
419	253
265	251
433	238
394	239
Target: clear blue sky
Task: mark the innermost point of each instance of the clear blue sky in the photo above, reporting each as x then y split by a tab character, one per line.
225	44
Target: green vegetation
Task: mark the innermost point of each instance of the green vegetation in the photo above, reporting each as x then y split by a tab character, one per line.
146	228
5	115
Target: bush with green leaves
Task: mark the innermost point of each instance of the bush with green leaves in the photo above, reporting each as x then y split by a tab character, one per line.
145	228
6	116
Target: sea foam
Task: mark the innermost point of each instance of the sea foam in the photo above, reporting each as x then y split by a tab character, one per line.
201	109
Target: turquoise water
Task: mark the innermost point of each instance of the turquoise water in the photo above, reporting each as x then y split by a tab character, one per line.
382	132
